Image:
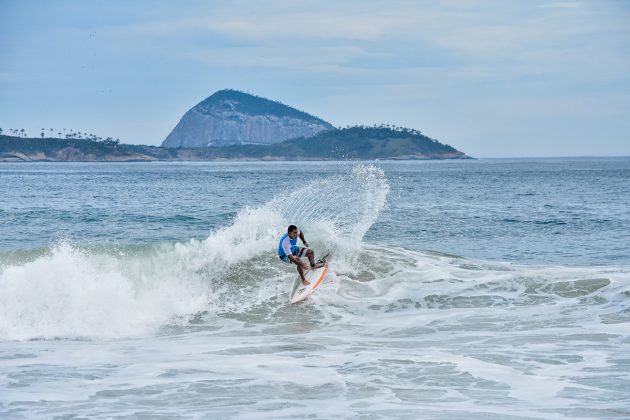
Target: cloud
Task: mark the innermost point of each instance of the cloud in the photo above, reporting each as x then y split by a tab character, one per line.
270	26
564	5
467	29
310	25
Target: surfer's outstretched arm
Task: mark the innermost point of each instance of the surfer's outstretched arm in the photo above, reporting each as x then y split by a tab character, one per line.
301	235
309	252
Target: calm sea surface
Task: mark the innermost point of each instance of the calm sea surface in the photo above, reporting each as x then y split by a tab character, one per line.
469	289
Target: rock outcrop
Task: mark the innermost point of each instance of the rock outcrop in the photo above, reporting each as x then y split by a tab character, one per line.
230	117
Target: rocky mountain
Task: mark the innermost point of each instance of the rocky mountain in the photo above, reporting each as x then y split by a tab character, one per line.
231	117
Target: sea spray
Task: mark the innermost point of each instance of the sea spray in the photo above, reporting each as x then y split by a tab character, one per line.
347	204
338	210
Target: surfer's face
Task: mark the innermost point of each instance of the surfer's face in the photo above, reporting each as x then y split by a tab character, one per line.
293	234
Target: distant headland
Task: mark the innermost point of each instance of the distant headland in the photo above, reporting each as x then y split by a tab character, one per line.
233	125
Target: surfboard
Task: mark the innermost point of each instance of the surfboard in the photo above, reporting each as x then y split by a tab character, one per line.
299	292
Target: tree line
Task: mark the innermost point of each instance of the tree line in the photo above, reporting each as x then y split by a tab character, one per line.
392	127
68	135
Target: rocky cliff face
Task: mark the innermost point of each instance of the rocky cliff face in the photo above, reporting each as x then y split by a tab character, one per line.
233	117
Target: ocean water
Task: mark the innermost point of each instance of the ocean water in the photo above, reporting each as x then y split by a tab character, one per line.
491	289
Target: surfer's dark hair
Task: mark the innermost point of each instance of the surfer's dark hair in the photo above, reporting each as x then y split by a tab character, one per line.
291	228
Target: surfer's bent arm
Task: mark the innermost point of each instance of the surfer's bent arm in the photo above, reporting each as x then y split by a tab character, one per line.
301	235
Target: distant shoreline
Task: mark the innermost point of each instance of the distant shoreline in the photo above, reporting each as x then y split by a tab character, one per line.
515	158
356	143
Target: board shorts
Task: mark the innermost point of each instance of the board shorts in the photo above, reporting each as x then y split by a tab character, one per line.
295	250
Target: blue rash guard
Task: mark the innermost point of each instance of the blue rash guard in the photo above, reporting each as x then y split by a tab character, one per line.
288	246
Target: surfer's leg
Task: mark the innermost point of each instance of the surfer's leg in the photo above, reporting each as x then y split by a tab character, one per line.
311	257
300	270
304	252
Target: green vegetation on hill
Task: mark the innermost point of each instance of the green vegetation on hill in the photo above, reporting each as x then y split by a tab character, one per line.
377	142
50	146
352	143
54	149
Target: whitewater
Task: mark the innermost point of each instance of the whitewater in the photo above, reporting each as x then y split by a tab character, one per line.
483	289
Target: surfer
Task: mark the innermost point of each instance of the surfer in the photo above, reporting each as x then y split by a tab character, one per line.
290	253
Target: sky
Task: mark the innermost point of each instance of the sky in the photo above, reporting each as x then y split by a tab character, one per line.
506	78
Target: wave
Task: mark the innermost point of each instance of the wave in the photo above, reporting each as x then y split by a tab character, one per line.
432	280
117	291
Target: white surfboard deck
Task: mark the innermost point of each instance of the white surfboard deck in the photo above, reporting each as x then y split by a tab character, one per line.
299	292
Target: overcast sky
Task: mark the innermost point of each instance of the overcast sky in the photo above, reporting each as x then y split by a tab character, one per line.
491	78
